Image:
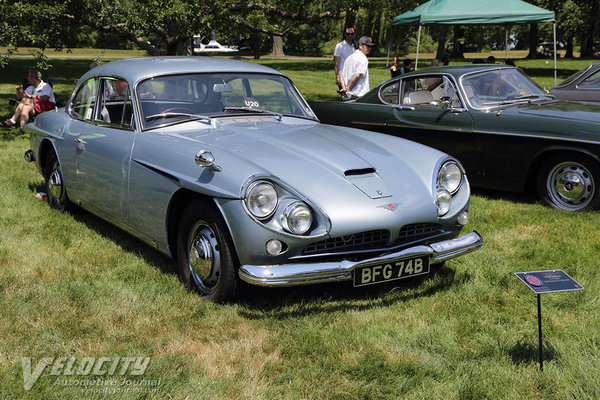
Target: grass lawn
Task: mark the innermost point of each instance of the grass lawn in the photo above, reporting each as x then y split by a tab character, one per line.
71	285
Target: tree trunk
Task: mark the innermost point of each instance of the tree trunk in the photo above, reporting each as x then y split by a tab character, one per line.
256	44
569	52
277	46
442	35
587	43
457	50
533	41
184	48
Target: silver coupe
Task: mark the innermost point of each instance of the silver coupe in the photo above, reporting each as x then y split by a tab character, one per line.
222	165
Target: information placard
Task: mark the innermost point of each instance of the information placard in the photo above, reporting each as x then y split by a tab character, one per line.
549	281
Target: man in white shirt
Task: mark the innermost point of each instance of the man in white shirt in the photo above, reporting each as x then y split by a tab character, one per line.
36	99
342	51
355	75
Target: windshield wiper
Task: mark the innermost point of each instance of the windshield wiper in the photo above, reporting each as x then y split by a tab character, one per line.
191	117
252	110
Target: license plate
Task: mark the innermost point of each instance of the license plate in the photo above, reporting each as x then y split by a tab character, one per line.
390	270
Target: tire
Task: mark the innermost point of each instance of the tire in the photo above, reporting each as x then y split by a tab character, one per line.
56	192
569	182
205	256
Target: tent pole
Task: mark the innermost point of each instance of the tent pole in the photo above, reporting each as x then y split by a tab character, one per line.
418	44
555	68
505	43
387	62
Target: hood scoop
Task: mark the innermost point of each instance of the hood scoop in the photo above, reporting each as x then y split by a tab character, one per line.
368	181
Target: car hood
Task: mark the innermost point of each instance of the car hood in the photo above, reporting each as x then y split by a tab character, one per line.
570	110
320	162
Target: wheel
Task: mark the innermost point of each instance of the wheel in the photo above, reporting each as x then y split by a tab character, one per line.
569	182
204	253
56	192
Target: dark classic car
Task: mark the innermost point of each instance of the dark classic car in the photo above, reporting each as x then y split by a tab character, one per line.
222	165
583	85
508	133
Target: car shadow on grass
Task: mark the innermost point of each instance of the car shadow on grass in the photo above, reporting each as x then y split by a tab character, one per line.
300	301
118	236
528	197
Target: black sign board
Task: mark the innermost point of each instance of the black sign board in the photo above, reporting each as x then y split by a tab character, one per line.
550	281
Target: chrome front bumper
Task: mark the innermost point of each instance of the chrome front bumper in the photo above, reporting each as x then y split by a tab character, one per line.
310	273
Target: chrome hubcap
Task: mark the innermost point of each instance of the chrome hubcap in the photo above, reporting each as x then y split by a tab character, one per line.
204	257
55	183
570	186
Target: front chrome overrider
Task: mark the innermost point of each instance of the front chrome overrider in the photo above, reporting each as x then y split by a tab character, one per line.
310	273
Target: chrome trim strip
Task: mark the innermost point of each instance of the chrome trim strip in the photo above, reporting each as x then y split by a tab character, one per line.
394	125
311	273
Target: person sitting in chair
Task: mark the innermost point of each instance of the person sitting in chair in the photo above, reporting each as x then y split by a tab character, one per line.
36	99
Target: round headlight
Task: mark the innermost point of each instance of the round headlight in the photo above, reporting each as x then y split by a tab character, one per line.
298	218
261	199
444	200
450	177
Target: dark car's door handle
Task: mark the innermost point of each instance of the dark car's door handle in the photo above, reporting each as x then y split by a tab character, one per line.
405	108
79	141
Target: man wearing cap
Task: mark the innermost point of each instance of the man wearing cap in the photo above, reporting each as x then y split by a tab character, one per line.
355	75
342	51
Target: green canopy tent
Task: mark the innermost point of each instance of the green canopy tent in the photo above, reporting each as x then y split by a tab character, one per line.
481	12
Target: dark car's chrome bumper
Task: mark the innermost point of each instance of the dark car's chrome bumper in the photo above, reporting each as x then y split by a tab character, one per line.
309	273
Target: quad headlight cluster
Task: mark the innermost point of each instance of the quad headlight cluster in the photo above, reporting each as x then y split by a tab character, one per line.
262	200
449	179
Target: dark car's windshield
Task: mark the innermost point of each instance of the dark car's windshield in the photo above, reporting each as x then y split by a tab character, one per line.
177	98
572	78
492	88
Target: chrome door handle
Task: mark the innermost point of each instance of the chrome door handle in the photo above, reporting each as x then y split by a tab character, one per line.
405	108
79	141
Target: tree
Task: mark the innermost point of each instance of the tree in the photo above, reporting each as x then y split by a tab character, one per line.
277	18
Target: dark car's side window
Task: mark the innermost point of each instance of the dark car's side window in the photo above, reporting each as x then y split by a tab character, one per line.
428	91
84	101
390	94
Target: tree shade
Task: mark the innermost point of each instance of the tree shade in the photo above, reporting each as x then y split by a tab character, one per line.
469	12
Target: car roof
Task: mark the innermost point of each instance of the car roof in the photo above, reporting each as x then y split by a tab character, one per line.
458	69
134	69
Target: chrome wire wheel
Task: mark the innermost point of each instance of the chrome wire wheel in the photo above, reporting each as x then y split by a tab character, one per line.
570	186
55	184
56	191
204	258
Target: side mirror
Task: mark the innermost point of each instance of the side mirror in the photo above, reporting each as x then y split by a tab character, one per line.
446	103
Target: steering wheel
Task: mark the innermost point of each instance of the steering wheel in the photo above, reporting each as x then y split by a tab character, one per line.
180	108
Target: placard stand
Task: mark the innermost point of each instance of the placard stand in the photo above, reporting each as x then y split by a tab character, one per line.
550	281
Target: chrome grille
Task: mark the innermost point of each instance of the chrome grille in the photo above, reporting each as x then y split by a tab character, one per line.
415	232
358	241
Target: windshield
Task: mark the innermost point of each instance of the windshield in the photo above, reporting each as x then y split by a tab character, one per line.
492	88
573	77
166	100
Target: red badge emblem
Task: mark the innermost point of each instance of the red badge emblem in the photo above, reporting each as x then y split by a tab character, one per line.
390	206
533	281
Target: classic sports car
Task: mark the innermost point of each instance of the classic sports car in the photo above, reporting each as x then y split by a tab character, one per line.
583	85
222	165
508	133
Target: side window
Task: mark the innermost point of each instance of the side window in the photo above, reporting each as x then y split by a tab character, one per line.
84	101
115	104
428	91
592	81
390	93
